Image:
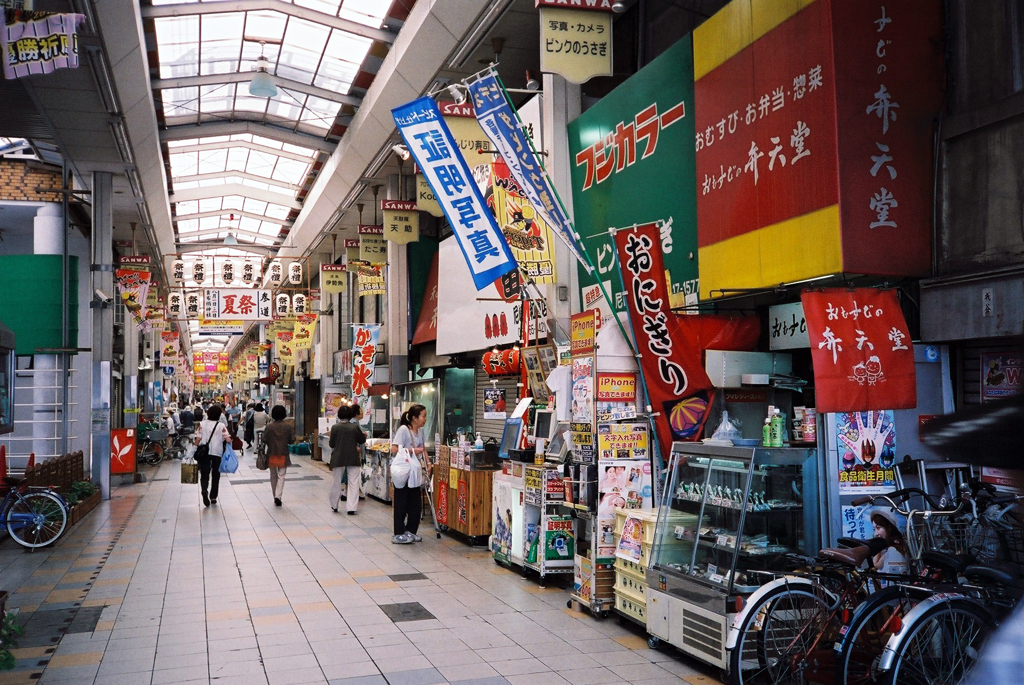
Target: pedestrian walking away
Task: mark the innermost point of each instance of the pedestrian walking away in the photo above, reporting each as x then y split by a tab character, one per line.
213	435
346	437
278	435
408	502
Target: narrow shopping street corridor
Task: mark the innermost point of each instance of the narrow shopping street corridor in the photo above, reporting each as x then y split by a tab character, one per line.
153	588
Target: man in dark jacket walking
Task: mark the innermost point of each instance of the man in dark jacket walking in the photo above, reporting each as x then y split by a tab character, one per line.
345	440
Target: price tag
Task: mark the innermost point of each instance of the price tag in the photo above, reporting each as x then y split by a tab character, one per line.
712	570
717	578
724	541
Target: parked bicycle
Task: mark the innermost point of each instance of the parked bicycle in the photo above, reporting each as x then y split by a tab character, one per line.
33	517
789	631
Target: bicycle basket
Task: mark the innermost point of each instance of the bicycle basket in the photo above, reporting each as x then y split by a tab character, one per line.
936	534
1014	539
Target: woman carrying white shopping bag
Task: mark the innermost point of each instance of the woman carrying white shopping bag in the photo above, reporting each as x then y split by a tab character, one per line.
407	474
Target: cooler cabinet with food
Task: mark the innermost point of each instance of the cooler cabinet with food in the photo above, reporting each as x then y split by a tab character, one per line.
728	517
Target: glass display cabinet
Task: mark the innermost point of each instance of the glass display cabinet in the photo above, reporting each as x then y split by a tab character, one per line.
727	516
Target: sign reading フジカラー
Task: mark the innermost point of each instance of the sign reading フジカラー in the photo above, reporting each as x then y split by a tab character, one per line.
861	348
637	142
401	221
436	154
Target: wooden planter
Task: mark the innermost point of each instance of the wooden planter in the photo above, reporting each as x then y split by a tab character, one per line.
3	603
82	508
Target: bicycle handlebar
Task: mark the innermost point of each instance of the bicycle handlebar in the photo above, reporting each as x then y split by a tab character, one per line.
904	495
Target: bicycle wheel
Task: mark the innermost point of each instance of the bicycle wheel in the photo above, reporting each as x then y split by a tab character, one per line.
941	646
866	636
778	634
36	519
150	453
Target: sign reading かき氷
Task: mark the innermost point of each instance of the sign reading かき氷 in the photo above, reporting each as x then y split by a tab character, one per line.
436	153
638	142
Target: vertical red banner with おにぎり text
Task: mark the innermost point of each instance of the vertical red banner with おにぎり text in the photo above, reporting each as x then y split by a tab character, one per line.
861	348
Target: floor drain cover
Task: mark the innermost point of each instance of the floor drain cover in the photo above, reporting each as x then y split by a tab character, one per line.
399	577
407	611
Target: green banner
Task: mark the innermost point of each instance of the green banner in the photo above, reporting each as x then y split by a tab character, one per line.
634	163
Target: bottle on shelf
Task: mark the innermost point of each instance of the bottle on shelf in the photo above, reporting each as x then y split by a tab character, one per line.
778	423
766	433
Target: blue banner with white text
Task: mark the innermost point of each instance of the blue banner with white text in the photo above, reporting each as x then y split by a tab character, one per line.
436	153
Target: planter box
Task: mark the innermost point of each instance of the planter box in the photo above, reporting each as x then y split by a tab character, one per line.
3	603
82	508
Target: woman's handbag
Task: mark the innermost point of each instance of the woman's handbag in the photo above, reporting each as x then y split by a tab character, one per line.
277	461
262	461
203	451
236	444
189	471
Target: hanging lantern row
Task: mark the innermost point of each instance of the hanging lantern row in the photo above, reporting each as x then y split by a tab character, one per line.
246	274
187	304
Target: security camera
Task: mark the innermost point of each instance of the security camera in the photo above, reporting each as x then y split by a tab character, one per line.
102	296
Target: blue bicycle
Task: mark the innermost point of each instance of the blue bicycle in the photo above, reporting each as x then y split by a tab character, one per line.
33	517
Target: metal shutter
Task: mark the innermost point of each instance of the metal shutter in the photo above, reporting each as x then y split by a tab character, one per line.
492	428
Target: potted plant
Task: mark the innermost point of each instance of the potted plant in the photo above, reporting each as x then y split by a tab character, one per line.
82	496
9	632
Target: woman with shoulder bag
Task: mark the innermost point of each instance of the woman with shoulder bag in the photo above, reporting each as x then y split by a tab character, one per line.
408	501
346	437
210	439
278	435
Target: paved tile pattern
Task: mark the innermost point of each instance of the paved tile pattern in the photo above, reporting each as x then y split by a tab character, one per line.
154	588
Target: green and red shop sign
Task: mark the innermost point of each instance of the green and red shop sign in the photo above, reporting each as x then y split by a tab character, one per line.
633	163
814	140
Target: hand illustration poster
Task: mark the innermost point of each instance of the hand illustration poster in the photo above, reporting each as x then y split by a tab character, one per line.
866	442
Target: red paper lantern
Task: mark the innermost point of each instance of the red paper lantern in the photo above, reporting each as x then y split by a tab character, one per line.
511	360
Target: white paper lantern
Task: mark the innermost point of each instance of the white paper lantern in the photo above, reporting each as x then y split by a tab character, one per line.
199	271
275	273
248	272
295	273
174	304
281	304
178	271
227	271
192	305
299	303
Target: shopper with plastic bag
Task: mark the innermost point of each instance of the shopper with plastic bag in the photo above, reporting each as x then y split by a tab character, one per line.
407	474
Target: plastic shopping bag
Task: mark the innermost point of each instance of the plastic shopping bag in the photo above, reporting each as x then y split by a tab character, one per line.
229	460
401	468
416	472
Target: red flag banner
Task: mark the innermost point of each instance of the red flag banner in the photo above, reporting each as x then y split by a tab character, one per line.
861	348
670	353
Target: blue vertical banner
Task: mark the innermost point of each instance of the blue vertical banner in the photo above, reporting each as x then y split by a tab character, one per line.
437	155
502	127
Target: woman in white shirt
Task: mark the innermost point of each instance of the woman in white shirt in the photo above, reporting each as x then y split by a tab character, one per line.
214	434
408	501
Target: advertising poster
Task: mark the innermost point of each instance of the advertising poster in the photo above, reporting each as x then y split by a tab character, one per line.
624	483
1000	375
582	331
616	387
631	540
622	441
533	485
638	142
583	390
364	354
494	403
502	542
305	325
867	452
134	286
332	400
122	450
371	281
528	236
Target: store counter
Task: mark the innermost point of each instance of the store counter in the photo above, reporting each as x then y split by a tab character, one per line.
462	491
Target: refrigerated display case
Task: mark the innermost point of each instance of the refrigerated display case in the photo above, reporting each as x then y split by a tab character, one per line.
744	509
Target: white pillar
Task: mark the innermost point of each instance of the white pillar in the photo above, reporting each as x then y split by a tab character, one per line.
561	104
47	239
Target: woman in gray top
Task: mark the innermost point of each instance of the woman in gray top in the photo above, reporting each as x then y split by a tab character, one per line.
408	501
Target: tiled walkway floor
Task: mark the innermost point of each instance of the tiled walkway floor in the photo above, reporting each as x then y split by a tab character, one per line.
154	588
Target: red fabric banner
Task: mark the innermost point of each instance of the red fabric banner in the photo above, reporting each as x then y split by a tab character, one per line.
426	326
861	348
671	346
